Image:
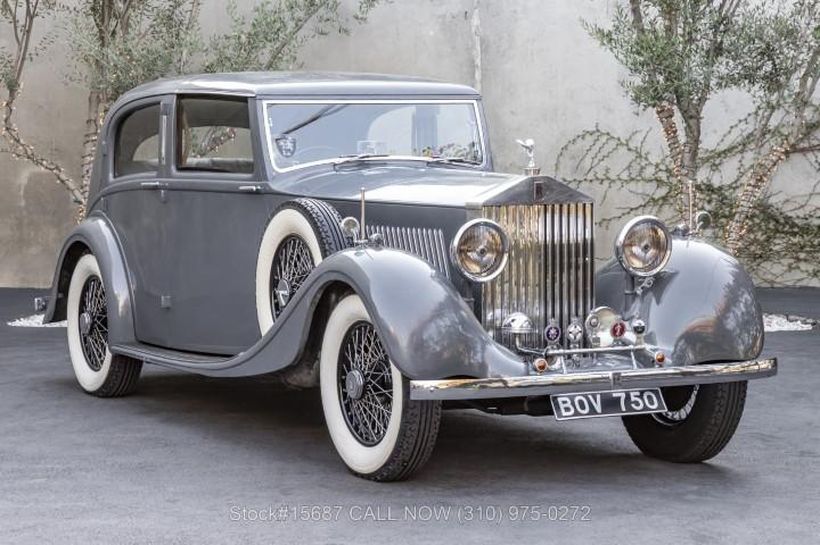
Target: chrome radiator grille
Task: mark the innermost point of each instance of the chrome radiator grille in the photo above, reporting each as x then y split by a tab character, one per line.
428	244
550	272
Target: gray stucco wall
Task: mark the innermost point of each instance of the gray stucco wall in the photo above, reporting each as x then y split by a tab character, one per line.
540	73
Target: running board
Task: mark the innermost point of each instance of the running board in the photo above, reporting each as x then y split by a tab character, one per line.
165	356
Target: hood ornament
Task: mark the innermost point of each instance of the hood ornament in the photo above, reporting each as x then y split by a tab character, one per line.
529	147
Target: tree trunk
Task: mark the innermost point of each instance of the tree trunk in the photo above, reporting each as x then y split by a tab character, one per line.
666	117
691	112
90	137
765	166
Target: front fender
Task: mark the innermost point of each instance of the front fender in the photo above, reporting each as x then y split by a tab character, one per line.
95	234
428	330
701	308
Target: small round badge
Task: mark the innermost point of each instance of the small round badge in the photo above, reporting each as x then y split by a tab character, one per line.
552	333
618	329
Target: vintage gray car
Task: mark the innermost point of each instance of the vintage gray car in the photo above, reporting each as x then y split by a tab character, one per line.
214	242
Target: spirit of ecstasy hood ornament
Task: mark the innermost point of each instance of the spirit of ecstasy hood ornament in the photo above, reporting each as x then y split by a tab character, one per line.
529	147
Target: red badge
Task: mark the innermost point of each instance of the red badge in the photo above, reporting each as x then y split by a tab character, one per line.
618	329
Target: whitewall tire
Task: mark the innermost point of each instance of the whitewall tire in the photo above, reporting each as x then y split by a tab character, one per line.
379	432
98	371
298	237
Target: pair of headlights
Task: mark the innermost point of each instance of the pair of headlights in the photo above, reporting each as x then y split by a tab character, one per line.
480	248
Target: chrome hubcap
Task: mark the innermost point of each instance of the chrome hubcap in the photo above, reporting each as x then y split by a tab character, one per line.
282	292
93	323
365	383
85	323
355	384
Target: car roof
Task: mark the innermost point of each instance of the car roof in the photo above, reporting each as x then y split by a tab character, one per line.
296	84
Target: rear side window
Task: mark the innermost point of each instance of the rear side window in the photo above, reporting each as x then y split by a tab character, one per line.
214	135
138	141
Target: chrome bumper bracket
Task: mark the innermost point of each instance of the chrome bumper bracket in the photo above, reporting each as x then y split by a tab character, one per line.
559	383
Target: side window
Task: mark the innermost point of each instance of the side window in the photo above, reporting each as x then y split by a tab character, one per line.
137	143
213	134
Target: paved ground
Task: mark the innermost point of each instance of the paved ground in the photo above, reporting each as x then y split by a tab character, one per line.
179	460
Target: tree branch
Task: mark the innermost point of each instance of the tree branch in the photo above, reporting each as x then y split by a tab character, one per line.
288	38
18	147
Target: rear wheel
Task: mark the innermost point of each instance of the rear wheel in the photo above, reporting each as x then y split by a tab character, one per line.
700	422
98	371
378	431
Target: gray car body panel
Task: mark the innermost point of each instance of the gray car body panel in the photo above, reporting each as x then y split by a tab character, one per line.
702	308
427	328
96	235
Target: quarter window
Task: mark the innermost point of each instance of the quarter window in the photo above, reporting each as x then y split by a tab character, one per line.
137	142
213	134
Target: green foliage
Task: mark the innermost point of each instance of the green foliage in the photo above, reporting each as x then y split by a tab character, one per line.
783	238
16	16
683	52
674	49
116	50
271	36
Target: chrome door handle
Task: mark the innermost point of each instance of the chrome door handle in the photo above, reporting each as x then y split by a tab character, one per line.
250	188
153	185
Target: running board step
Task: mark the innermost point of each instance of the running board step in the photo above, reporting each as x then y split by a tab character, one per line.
165	356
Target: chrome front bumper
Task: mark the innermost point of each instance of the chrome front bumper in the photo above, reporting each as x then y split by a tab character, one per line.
562	383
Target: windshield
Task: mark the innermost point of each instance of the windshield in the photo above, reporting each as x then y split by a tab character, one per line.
308	133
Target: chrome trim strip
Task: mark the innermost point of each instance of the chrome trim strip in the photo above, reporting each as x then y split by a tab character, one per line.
559	383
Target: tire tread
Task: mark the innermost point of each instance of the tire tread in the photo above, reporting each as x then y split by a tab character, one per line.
702	436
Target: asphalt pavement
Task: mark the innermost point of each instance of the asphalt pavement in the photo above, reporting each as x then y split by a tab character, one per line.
189	459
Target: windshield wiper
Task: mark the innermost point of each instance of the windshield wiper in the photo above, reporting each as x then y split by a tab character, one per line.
324	112
357	158
452	161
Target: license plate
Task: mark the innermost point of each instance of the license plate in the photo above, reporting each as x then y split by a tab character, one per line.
608	403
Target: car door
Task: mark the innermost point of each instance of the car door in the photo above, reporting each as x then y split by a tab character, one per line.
216	211
135	202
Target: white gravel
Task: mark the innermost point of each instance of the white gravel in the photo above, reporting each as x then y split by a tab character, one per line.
35	320
785	322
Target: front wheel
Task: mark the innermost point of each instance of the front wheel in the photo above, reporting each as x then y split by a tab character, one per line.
378	431
698	425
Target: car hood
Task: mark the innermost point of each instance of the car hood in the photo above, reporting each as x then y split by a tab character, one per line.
440	186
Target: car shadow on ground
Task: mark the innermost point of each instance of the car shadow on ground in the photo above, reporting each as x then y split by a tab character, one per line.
261	414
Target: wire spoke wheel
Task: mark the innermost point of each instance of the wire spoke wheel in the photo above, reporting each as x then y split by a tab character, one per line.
681	411
292	263
93	321
365	384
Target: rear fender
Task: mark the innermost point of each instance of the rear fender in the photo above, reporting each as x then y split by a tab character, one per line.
96	236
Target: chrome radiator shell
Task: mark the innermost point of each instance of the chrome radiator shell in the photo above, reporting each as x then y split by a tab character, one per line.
550	272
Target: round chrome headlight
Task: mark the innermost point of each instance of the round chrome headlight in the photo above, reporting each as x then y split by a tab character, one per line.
643	246
479	250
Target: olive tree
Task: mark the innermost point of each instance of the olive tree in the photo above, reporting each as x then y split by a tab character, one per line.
679	54
116	45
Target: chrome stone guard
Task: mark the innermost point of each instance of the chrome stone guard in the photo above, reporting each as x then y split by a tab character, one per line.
561	383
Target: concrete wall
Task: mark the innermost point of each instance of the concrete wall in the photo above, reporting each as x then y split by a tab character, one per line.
540	73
